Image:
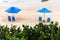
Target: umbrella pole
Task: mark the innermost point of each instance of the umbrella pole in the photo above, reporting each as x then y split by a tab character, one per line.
13	15
11	20
44	16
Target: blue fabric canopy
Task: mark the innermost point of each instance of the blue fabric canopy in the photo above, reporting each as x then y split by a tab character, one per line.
13	10
44	10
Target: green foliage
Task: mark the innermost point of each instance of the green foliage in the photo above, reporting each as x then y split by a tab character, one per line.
14	38
40	31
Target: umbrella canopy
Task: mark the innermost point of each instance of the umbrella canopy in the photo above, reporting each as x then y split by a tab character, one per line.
13	10
44	10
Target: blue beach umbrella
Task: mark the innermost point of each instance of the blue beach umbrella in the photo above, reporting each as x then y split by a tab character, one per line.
44	10
13	10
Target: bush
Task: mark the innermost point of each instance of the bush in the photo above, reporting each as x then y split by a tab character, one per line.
40	31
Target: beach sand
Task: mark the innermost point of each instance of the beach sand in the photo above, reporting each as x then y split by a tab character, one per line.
29	16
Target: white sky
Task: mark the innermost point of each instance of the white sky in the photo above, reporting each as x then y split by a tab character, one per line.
30	3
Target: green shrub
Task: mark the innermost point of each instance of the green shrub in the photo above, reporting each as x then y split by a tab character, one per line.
40	31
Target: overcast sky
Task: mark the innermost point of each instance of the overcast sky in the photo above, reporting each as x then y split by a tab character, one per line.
30	3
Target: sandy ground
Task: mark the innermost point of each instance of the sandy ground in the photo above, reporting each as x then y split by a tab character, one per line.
26	16
29	15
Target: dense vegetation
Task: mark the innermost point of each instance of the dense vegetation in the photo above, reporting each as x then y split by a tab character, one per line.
40	31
